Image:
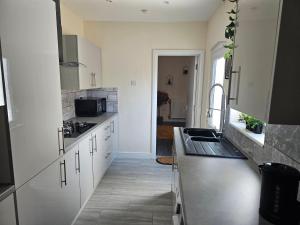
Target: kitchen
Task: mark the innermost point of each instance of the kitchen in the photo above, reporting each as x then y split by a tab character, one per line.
106	56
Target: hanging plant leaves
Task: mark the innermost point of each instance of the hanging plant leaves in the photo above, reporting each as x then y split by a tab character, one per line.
230	30
232	12
231	25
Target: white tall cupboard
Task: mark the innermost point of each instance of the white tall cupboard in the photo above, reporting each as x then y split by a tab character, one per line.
29	45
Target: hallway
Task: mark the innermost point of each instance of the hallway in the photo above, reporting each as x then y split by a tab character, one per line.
132	192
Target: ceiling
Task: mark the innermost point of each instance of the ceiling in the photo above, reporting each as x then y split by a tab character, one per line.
144	10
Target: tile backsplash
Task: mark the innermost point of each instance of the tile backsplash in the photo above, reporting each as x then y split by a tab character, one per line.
68	97
282	145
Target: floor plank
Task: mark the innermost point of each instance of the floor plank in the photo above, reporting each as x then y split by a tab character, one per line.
132	192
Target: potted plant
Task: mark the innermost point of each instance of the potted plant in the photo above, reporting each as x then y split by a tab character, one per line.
252	124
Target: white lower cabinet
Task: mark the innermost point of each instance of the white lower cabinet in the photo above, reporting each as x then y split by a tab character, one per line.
86	169
56	194
53	196
178	216
7	211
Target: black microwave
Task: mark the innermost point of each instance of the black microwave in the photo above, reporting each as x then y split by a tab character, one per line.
89	107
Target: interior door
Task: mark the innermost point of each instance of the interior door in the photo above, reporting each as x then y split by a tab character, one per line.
29	44
254	56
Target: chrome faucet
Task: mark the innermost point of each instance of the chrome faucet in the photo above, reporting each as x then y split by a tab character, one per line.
223	106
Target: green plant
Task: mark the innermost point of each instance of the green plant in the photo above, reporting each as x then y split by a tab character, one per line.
251	122
231	29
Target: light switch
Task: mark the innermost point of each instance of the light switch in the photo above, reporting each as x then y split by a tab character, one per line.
133	83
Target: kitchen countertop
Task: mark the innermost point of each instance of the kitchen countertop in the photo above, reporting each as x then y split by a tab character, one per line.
6	190
218	191
71	142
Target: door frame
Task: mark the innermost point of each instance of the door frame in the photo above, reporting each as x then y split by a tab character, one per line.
198	88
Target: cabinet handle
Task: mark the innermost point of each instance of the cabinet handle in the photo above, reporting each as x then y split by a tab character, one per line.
92	147
63	180
107	155
94	76
112	127
238	74
93	79
61	140
108	137
77	162
96	148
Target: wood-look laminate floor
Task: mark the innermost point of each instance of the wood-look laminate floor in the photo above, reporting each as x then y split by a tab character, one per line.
132	192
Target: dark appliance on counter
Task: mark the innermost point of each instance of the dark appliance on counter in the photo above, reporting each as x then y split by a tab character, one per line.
279	190
90	107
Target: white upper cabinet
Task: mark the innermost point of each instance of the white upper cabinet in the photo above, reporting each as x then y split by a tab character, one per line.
29	45
81	68
266	76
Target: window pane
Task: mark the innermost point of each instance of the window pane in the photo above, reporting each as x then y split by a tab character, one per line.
218	75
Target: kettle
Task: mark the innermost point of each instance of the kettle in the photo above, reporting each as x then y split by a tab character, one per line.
279	191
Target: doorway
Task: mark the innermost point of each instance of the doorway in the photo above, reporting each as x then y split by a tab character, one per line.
176	95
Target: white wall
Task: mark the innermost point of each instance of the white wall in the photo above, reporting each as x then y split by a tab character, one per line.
215	34
127	56
178	91
71	22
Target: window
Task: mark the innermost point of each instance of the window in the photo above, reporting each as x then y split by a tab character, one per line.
218	74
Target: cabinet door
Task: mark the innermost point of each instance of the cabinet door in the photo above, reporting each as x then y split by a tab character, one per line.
29	46
98	169
115	135
86	169
254	55
97	70
39	200
84	55
7	211
52	197
70	191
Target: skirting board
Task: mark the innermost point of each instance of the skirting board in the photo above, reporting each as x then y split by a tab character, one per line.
133	155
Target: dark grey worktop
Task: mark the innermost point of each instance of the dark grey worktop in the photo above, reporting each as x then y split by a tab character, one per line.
218	191
6	190
71	142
